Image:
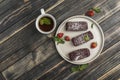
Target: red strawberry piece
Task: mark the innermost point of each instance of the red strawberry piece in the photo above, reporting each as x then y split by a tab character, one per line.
90	13
67	38
93	45
60	35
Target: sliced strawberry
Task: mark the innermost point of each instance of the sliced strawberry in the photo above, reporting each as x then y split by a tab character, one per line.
60	35
90	13
67	38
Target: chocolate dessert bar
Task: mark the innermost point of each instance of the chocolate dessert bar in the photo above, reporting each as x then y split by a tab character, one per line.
79	54
76	26
82	38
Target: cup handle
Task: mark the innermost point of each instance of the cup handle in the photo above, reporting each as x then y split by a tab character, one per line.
42	11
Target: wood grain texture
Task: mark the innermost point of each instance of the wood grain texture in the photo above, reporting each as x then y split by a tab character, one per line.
13	40
23	15
114	40
114	76
109	37
25	54
43	68
53	75
106	62
111	72
30	61
117	26
19	41
2	77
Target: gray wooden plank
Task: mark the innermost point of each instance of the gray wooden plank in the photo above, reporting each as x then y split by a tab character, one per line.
9	32
26	11
25	49
72	14
31	60
116	38
23	74
14	17
108	8
101	65
1	1
9	50
116	35
53	74
7	6
112	36
26	38
20	54
110	73
111	26
105	10
81	9
100	70
44	67
1	77
114	76
63	11
66	74
110	22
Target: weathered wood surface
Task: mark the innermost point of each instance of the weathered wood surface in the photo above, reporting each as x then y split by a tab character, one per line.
25	54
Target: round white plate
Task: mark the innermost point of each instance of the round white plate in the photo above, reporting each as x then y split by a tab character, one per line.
67	47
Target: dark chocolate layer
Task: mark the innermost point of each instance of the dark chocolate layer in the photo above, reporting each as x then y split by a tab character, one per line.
82	38
76	26
79	54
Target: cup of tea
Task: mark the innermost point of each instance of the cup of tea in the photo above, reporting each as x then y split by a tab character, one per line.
45	23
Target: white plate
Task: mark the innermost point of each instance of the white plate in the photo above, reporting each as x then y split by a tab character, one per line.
64	49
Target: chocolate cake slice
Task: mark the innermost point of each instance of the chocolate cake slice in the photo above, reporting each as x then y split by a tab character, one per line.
79	54
76	26
82	38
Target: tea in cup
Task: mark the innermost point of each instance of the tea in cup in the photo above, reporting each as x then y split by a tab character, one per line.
45	23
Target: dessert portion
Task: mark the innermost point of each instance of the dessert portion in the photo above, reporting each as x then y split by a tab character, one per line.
82	38
76	26
79	54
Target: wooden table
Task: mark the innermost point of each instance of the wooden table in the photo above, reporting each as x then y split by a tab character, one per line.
25	54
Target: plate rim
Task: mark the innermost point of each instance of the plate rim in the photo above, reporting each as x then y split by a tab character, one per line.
100	29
